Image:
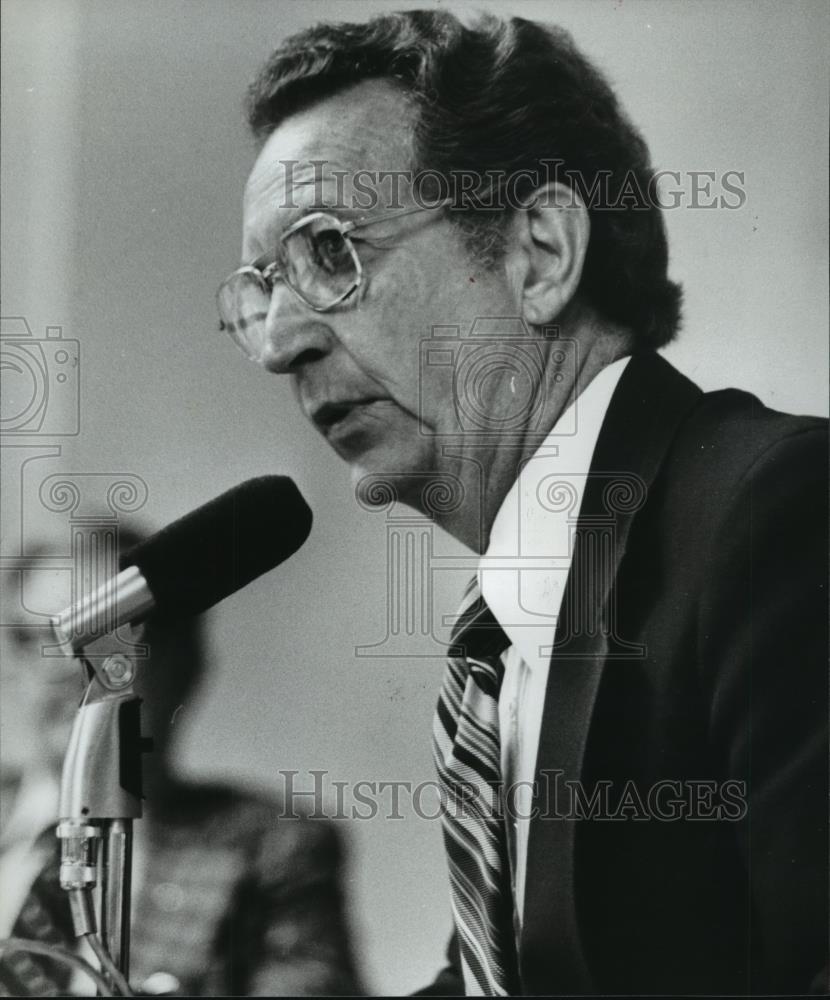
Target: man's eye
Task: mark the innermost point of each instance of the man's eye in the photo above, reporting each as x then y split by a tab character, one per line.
330	249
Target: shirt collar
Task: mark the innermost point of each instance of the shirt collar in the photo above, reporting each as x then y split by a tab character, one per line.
522	574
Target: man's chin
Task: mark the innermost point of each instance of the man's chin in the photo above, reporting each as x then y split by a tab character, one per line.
380	477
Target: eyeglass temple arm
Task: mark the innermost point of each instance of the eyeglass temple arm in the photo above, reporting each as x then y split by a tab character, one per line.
360	223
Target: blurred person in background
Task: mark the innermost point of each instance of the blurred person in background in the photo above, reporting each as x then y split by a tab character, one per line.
228	899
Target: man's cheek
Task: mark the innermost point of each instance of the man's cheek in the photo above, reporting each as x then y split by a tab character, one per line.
408	280
391	341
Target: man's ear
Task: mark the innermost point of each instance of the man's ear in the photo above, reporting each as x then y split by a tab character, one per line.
553	233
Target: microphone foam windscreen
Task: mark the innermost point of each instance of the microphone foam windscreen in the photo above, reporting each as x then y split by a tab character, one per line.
221	547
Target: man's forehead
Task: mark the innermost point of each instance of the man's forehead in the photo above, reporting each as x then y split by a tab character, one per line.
360	131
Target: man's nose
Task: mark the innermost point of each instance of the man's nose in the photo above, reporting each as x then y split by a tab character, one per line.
294	334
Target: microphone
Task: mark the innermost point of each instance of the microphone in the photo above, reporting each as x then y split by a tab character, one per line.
194	563
181	571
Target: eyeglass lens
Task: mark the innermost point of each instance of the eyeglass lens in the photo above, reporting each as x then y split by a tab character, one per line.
318	262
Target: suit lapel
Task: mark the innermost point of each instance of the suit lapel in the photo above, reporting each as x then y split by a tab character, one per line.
647	407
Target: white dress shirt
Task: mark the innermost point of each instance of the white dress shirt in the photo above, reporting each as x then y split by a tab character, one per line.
522	577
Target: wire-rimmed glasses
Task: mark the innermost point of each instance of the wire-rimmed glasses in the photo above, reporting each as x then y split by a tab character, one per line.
315	258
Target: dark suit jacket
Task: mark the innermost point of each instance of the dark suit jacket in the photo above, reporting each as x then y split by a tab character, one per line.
235	899
690	665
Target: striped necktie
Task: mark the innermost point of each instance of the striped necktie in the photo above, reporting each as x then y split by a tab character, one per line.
467	756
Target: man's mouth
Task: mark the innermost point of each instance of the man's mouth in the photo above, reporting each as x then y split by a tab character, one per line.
335	418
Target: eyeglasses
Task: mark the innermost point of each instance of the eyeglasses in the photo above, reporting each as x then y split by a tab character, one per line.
316	259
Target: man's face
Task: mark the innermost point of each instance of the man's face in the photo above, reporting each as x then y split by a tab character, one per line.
356	370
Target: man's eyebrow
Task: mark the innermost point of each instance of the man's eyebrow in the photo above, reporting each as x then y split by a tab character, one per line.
289	215
323	202
292	215
296	213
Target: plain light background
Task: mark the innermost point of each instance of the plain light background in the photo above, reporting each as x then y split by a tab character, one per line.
124	157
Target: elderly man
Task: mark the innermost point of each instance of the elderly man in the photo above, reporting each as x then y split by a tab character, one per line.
453	248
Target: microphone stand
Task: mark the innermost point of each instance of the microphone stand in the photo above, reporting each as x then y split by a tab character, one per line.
101	792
